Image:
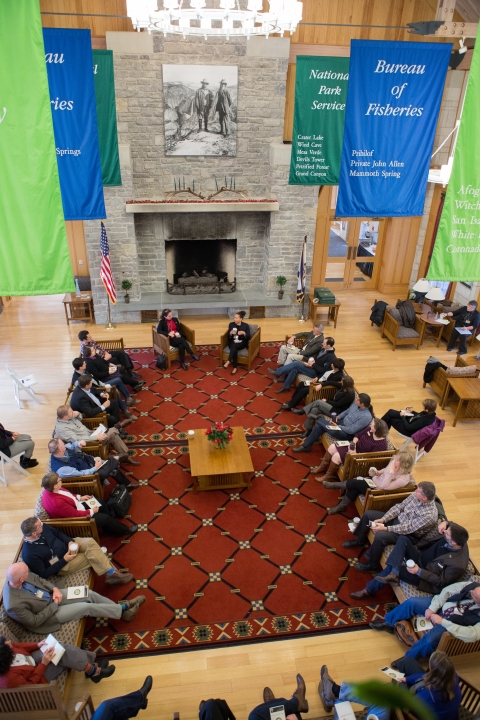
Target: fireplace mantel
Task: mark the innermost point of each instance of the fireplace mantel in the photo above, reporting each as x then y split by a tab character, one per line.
203	207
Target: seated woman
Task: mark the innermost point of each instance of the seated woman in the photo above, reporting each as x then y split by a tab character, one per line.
238	339
27	663
408	421
397	474
438	688
332	378
340	402
170	327
61	503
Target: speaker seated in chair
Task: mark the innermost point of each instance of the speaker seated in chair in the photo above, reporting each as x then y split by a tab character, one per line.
174	339
240	343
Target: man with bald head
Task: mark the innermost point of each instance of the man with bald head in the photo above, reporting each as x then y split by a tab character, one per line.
42	608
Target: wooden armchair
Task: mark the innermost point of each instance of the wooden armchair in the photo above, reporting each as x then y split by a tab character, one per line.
378	499
248	354
400	335
84	485
298	342
470	699
161	343
34	702
328	393
439	382
111	344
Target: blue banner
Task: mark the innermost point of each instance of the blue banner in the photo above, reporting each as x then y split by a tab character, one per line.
68	54
393	100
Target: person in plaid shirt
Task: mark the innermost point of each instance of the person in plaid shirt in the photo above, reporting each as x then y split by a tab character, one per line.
416	515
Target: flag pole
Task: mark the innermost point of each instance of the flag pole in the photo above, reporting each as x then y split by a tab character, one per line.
109	325
303	262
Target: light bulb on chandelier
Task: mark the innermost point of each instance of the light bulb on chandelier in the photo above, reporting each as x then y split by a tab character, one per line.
192	17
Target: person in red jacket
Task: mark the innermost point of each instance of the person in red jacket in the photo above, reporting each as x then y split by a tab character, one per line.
27	663
61	503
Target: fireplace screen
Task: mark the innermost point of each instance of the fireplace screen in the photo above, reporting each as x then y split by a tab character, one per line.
200	267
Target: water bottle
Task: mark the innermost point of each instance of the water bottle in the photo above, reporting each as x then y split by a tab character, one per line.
333	415
77	289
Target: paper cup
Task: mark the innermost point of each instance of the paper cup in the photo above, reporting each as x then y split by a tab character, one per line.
356	520
191	434
73	547
372	471
410	563
98	459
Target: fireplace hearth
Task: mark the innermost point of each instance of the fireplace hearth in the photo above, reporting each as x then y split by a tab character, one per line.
200	267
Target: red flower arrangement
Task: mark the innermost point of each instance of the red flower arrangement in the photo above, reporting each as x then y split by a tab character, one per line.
220	435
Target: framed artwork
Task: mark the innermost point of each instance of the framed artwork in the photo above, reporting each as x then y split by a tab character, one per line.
200	109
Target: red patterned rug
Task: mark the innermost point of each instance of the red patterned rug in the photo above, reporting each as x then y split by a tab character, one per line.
222	566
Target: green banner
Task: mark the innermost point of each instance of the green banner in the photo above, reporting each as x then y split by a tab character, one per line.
319	117
34	258
106	116
456	254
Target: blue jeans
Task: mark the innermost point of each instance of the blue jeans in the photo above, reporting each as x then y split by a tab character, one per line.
262	712
347	694
120	385
292	370
404	550
320	428
409	608
120	708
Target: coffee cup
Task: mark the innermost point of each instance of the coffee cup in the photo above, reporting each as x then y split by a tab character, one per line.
372	471
98	459
410	563
356	520
108	387
73	547
307	383
191	434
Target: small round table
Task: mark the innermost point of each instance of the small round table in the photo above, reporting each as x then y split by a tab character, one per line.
429	319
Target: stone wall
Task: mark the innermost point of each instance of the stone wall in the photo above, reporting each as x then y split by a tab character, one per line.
267	244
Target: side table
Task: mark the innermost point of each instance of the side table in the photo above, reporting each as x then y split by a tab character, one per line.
78	308
332	311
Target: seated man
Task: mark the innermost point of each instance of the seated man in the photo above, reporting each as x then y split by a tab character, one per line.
42	608
341	401
69	461
120	357
12	443
69	428
331	378
358	416
47	551
104	371
311	346
437	563
297	703
465	317
313	368
455	610
408	421
80	368
415	516
90	402
124	707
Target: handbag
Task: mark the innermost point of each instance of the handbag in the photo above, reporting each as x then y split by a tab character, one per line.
119	501
161	363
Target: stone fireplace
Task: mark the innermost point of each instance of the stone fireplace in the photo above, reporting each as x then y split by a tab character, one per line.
258	238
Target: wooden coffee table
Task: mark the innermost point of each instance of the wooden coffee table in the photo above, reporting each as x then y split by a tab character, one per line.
214	469
468	392
429	319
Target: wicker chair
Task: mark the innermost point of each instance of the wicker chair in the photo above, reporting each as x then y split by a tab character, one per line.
400	335
248	354
161	343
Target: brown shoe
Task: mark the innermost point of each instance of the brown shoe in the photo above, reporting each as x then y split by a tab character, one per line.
268	695
133	606
325	689
129	416
132	401
405	633
323	465
300	694
361	594
390	579
119	578
124	423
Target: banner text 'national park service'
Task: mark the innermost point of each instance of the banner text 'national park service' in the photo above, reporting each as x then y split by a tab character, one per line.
319	116
456	254
393	100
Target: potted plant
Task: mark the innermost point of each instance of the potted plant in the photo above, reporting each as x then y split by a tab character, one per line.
126	285
281	281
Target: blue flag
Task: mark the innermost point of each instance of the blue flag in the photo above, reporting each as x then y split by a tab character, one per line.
68	54
393	100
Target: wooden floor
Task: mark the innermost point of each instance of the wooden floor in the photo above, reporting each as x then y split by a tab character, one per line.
35	338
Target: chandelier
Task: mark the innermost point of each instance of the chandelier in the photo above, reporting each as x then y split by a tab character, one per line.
192	17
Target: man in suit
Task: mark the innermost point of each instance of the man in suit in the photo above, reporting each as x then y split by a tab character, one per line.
468	318
69	461
312	344
91	402
69	428
202	104
80	368
47	551
315	367
438	562
42	608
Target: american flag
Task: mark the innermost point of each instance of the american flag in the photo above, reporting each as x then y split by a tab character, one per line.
302	272
105	267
